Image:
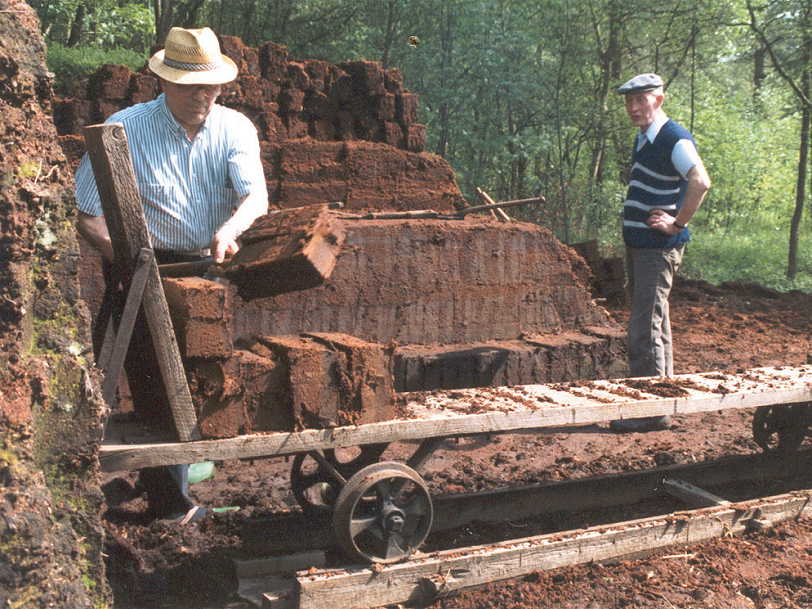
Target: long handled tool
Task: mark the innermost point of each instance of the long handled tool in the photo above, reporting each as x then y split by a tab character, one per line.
431	214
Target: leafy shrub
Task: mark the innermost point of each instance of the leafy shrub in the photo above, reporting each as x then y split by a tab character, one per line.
70	65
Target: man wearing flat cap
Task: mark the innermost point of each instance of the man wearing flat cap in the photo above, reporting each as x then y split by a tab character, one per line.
200	177
667	184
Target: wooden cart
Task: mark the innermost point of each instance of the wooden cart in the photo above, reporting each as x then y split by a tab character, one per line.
382	510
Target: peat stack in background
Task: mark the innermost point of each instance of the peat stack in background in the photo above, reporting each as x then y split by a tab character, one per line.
345	132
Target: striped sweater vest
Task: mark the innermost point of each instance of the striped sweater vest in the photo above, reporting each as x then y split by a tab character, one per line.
655	184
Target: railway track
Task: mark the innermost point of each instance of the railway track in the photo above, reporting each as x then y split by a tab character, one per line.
697	502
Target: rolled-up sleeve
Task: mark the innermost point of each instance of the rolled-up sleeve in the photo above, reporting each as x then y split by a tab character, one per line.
684	156
245	162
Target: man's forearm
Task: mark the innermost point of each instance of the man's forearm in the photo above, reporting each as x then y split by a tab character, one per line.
250	208
698	185
94	229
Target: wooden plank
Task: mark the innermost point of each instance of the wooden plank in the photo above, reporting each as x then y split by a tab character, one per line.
258	590
609	490
440	414
121	202
248	569
422	579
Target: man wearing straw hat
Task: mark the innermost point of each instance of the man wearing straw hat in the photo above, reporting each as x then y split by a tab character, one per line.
197	163
201	183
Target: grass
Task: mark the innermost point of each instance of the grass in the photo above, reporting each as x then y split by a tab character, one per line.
70	65
759	257
746	254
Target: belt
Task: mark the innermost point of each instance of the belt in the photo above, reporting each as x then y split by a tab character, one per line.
204	251
163	256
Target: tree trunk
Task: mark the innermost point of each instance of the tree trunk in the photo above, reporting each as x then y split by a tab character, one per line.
78	26
759	69
800	189
447	45
163	19
610	62
391	29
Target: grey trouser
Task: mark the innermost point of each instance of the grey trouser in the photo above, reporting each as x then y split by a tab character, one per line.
651	275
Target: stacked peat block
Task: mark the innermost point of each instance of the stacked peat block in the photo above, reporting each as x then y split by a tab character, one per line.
344	115
608	277
435	303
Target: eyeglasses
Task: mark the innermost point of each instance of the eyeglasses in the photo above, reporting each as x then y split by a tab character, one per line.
208	90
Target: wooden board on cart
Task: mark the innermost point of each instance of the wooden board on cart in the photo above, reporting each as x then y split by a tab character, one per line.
487	410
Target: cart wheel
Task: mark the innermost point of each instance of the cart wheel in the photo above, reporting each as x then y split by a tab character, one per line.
314	488
383	513
779	429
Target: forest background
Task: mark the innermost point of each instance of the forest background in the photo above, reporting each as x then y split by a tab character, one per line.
519	96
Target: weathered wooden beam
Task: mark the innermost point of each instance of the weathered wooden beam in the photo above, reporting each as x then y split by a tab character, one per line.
497	211
448	414
121	203
421	580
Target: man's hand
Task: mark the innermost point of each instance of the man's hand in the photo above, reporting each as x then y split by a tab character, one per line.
663	222
94	229
224	243
251	207
698	185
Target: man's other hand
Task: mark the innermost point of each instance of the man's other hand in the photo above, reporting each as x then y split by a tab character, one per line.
663	222
224	244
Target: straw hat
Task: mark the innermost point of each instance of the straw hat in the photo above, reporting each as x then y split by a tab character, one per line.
193	57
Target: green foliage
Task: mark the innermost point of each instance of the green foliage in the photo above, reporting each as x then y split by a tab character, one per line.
519	96
106	24
125	25
69	65
758	256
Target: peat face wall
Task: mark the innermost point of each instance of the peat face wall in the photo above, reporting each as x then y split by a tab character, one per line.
434	281
448	303
50	412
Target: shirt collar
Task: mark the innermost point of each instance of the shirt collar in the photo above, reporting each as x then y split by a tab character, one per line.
654	128
173	122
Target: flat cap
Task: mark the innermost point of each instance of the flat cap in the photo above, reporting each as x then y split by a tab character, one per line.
641	82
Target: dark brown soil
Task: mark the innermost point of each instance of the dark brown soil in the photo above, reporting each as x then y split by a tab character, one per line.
725	328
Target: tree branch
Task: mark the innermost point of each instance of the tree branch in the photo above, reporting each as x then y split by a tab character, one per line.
799	93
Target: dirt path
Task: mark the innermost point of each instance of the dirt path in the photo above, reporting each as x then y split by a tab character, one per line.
724	328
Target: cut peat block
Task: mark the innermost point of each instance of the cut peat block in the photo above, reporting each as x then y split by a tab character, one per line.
289	383
293	249
597	352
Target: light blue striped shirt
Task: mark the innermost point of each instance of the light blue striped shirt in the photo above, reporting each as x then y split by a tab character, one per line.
188	188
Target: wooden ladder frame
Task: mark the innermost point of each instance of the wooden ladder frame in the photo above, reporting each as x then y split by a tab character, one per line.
135	264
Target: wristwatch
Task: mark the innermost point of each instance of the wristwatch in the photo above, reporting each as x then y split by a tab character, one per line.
679	226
